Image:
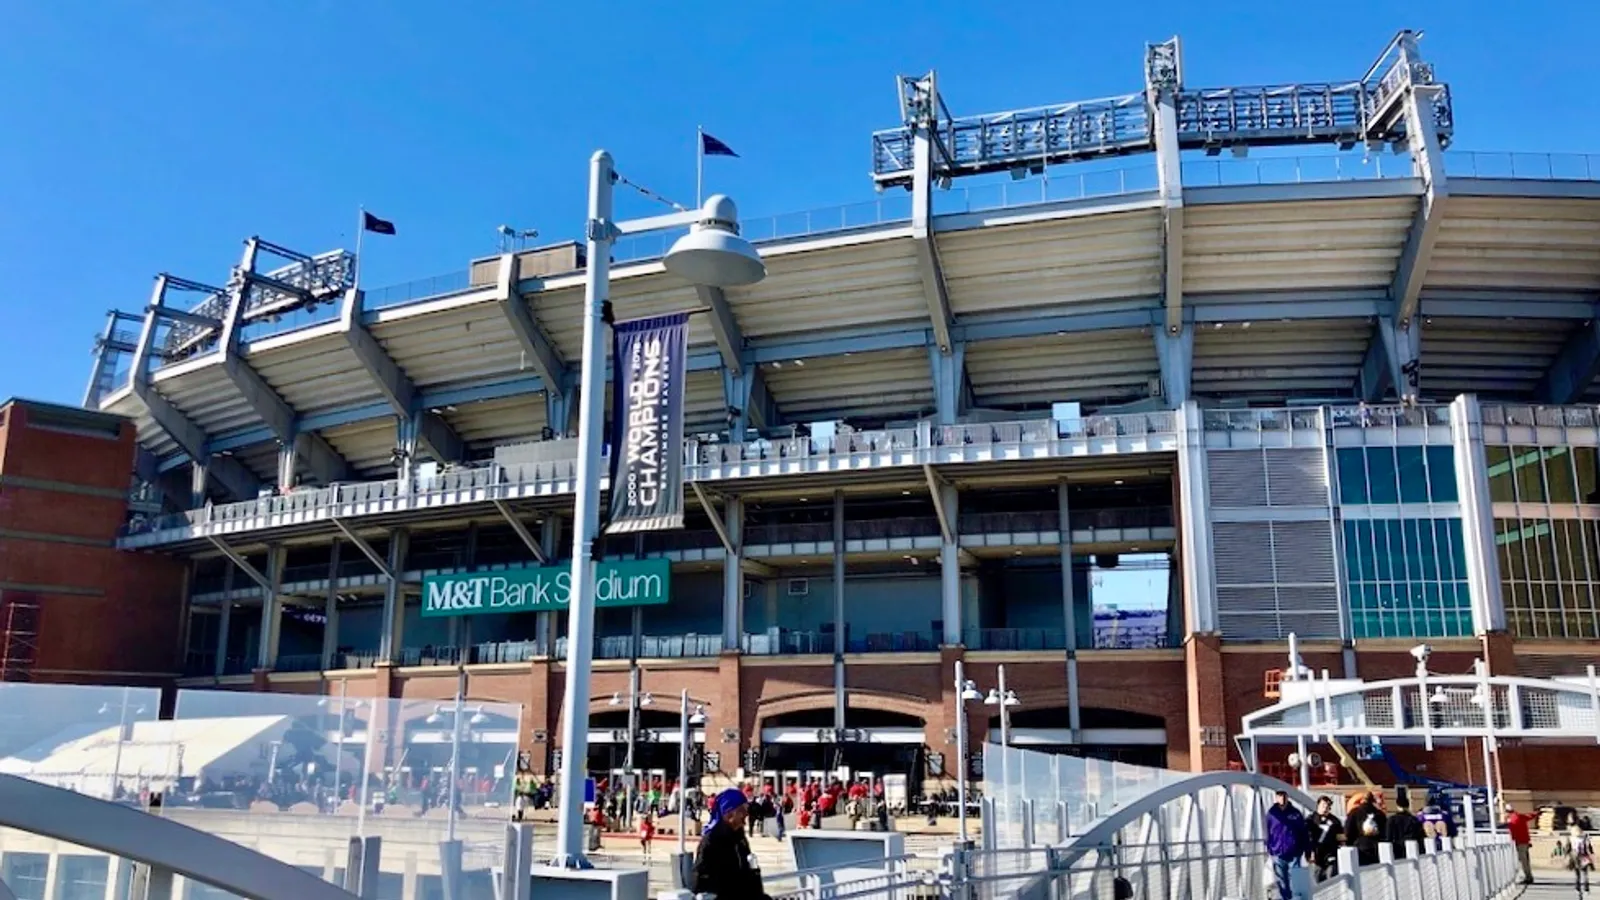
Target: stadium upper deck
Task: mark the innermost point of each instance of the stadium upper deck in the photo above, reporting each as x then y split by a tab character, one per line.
1224	280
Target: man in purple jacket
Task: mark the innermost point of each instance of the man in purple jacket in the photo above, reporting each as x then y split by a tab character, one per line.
1287	841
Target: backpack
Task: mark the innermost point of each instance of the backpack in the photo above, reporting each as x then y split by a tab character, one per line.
1369	825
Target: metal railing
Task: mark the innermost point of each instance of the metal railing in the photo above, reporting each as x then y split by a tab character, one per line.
783	642
918	442
1523	166
1015	638
1541	416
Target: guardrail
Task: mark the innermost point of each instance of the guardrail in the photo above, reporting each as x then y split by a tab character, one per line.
922	444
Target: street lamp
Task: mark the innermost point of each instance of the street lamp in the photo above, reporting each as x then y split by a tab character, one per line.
966	692
712	254
686	718
635	700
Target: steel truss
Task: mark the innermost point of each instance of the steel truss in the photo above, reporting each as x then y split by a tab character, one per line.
1368	110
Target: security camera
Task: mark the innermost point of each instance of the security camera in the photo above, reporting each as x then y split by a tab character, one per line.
1421	652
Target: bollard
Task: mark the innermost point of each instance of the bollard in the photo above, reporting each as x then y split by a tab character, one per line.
1350	864
450	869
682	869
1027	824
361	867
986	823
516	876
1063	822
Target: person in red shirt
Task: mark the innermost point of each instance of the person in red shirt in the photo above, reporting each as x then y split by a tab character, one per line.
647	833
1517	826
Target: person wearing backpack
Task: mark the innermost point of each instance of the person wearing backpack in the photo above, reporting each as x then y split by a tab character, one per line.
1364	828
1402	827
1579	853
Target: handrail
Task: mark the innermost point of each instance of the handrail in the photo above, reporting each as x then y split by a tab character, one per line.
919	444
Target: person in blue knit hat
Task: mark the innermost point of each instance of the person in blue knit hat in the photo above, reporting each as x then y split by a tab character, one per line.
723	864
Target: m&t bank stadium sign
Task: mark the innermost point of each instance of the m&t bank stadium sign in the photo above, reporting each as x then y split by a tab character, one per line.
535	588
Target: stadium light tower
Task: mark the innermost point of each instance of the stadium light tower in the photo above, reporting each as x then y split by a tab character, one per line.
711	254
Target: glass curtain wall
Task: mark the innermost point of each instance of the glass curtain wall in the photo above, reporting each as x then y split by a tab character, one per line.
1549	555
1404	555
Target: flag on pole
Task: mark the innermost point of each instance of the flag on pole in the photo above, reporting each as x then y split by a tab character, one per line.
372	223
710	146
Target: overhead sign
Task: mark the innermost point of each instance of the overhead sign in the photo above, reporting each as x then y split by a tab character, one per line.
645	582
647	424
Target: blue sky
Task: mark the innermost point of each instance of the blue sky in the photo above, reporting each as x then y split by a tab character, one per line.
145	137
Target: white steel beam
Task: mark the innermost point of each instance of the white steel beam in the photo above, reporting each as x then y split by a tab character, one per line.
367	550
929	270
537	349
527	538
1175	353
936	486
728	544
432	431
1163	79
1575	367
229	472
325	462
251	572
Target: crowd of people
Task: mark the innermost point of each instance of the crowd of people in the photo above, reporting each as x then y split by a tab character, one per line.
1294	839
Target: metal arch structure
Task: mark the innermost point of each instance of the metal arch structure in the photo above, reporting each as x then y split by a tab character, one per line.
167	847
1425	708
1201	836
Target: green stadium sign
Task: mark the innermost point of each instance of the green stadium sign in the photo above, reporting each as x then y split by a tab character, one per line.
536	588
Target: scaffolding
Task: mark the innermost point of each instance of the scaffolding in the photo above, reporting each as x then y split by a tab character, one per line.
19	638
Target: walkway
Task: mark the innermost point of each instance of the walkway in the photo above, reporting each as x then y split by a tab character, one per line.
1550	886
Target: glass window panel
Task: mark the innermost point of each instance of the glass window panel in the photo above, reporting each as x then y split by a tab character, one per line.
1505	535
1413	474
1584	624
1428	552
1529	473
1545	540
1352	464
1431	597
1570	550
1354	556
1497	460
1442	473
1386	547
1590	549
1586	462
1413	547
1382	480
1558	476
1451	537
1516	538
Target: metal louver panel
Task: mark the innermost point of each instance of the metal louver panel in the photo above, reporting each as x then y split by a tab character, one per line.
1274	578
1303	552
1296	477
1237	478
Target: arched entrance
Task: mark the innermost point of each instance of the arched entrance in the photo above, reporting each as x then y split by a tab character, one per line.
1111	734
879	744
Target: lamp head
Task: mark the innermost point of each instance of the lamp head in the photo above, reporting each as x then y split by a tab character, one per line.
1421	652
969	692
713	253
993	699
616	700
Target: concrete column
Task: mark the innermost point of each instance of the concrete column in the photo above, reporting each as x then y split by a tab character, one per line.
197	483
394	604
224	620
1069	606
949	381
950	569
550	543
330	609
838	611
838	575
1207	711
288	460
1194	521
271	610
1477	516
733	576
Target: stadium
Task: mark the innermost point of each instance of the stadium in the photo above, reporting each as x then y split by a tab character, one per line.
1085	391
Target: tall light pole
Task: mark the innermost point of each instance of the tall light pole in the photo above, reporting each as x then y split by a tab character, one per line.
630	767
1005	699
712	254
966	692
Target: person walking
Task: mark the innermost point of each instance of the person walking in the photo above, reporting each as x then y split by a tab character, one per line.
522	786
1364	829
723	864
1517	826
1325	831
1579	853
647	833
1287	842
1402	827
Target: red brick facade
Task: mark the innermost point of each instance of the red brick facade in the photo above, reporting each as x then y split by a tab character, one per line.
103	615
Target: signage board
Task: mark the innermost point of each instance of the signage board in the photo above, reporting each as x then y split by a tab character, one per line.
645	582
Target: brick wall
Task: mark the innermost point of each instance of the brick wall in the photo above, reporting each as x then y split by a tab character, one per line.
104	615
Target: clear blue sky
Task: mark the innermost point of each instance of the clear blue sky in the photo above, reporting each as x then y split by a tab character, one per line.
146	137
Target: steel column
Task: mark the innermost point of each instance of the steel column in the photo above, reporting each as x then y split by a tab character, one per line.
732	574
392	638
1477	516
